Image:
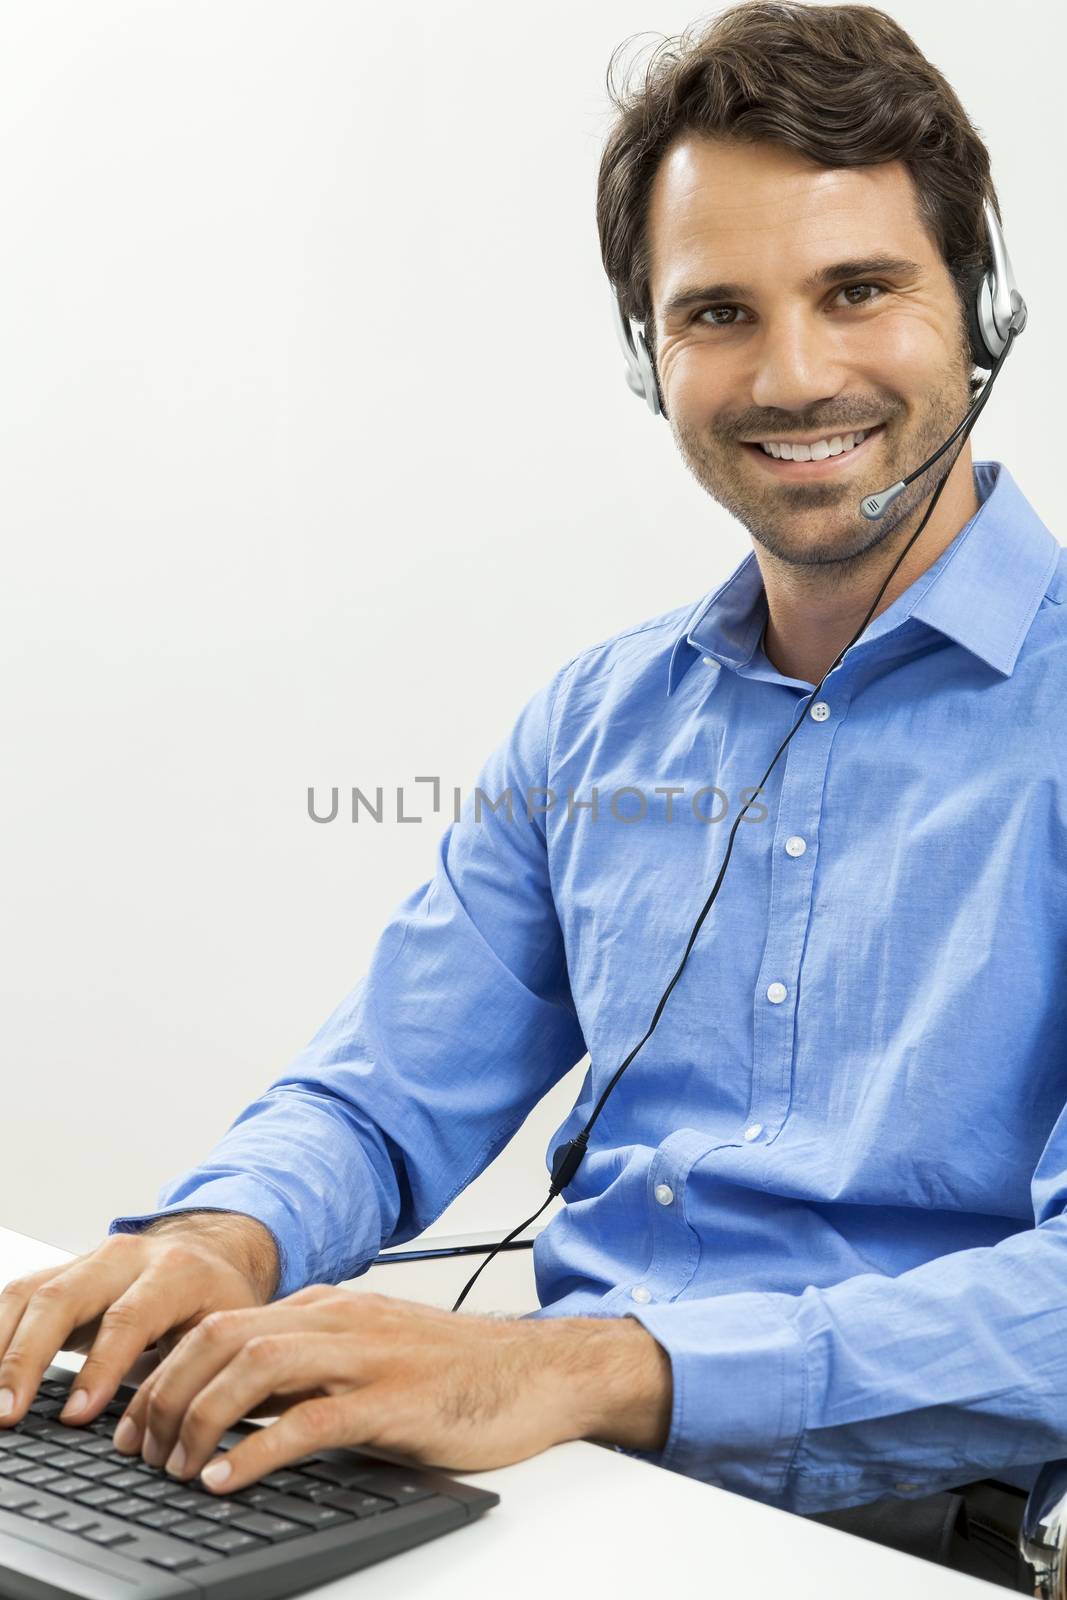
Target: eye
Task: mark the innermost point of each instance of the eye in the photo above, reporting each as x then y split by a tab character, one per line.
717	321
851	287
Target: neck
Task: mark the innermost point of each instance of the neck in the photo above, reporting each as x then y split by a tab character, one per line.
813	611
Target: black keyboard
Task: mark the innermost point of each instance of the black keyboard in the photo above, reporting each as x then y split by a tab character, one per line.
76	1515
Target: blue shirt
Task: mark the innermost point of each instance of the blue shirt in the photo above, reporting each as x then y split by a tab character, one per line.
832	1184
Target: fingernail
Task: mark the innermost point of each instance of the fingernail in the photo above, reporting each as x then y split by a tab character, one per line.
176	1460
7	1402
125	1437
151	1449
77	1403
216	1472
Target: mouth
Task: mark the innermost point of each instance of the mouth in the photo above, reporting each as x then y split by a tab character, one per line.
811	471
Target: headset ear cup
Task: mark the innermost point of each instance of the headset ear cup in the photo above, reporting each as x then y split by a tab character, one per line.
647	354
981	355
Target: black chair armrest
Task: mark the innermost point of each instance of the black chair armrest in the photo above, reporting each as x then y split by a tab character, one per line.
1043	1531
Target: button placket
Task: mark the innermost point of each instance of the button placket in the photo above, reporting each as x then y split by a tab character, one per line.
675	1244
793	860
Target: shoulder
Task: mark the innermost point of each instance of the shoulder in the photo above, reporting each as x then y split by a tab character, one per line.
628	662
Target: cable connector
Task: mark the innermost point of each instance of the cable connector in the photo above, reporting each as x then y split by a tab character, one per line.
566	1161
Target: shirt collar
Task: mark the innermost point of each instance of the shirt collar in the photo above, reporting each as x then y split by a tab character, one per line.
982	591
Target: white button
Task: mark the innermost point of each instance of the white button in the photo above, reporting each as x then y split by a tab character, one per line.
795	846
664	1193
820	711
641	1294
754	1130
708	662
776	993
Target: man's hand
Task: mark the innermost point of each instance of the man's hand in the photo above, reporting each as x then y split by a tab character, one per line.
132	1293
337	1368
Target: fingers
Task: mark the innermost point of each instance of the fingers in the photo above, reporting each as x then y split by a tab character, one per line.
125	1294
40	1312
323	1423
218	1346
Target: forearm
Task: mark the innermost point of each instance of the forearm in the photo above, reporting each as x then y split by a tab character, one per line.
618	1375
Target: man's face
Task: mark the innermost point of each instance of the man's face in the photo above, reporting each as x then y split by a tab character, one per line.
776	353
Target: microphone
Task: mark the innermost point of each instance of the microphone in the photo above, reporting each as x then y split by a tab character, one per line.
875	505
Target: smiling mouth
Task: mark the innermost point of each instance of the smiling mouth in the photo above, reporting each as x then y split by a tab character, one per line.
823	465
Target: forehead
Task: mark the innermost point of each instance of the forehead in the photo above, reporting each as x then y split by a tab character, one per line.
762	214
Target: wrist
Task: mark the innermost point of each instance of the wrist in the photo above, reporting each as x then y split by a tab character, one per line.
246	1243
617	1379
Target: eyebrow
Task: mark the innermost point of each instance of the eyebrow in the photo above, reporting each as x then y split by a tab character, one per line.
826	277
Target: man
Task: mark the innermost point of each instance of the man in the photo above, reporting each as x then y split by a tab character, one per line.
815	1251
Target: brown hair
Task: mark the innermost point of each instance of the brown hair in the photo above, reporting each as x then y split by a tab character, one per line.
844	85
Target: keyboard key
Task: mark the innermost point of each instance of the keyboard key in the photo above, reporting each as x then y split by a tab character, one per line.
56	1431
124	1479
67	1487
158	1517
109	1536
176	1562
157	1489
255	1495
308	1512
357	1503
74	1521
43	1513
394	1486
341	1476
88	1444
281	1481
9	1441
185	1500
36	1476
16	1497
94	1468
267	1527
222	1510
193	1528
127	1506
312	1489
44	1406
98	1495
230	1540
35	1449
66	1460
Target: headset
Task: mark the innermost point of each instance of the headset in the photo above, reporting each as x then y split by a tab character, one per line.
996	315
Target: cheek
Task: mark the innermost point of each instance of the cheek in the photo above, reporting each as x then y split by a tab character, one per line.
698	383
907	354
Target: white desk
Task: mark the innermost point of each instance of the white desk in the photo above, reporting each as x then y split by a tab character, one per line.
592	1522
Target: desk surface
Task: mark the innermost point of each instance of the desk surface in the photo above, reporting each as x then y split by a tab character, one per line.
594	1522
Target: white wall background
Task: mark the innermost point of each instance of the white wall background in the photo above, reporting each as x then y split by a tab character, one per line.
316	459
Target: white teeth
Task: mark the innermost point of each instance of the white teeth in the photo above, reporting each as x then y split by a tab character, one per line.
818	451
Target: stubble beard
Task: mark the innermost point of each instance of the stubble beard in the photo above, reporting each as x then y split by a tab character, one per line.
820	523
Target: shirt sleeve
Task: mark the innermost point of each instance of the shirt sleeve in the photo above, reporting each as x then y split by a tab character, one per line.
952	1371
462	1023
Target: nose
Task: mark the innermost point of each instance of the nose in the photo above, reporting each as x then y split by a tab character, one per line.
796	364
